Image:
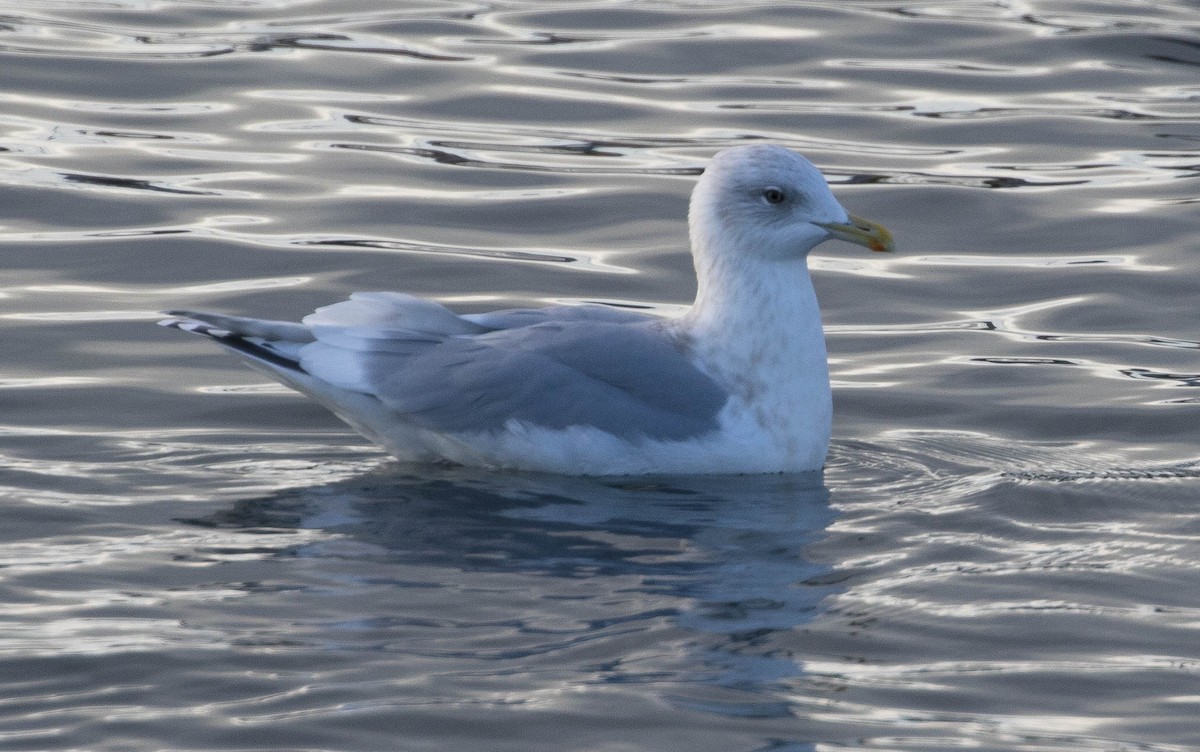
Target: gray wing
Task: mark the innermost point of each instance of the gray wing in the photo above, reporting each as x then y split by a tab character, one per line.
519	317
627	379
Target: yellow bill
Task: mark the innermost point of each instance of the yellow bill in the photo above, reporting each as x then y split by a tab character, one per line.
861	232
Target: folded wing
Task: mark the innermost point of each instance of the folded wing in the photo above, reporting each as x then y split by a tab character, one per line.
588	366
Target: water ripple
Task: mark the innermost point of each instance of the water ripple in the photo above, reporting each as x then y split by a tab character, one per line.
217	227
45	36
999	555
41	177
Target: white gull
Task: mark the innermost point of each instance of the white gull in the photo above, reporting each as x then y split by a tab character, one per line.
739	383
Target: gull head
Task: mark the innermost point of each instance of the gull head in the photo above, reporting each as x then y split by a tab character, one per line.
765	202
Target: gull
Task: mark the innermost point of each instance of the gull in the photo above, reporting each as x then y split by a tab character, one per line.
737	384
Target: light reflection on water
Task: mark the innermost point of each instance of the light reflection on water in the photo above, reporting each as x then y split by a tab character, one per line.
1001	553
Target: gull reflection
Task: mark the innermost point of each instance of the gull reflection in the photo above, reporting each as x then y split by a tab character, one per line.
702	583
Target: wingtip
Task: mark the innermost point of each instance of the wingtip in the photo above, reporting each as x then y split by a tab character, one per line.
193	326
175	319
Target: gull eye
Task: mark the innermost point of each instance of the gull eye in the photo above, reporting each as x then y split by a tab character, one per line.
774	195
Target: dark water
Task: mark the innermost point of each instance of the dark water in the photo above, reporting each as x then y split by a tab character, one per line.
1002	554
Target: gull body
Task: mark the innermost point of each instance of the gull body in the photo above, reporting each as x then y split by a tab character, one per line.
737	384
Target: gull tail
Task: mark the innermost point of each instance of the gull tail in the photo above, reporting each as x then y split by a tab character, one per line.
273	346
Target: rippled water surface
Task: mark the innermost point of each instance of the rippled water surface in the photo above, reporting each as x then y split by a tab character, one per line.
1001	555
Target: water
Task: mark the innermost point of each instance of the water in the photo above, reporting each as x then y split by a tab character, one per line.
1001	555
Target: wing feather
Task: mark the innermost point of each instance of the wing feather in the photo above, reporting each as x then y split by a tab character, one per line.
631	380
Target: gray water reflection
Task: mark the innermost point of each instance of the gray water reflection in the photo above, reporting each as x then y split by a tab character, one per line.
715	567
